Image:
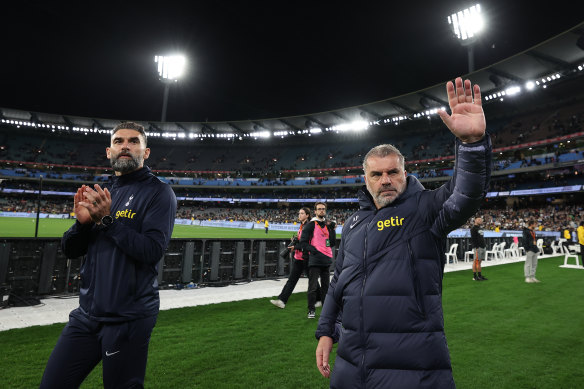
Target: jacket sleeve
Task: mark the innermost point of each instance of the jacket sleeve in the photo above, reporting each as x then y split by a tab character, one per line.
149	244
329	323
332	236
76	239
306	237
463	194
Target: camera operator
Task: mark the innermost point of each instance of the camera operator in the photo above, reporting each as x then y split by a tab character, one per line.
318	238
298	264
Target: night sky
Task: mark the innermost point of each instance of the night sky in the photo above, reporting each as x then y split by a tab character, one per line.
247	60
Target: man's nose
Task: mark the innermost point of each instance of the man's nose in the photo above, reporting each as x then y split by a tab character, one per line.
385	179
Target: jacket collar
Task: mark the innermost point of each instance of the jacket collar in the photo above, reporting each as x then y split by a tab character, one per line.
136	175
366	202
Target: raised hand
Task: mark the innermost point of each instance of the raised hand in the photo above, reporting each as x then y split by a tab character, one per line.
467	121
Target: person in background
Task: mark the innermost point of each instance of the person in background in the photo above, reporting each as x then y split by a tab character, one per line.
567	234
318	238
299	264
581	241
478	244
532	251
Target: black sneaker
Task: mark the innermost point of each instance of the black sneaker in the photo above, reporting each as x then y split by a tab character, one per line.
483	278
476	278
311	314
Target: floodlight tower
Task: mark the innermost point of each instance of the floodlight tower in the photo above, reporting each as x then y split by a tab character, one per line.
466	24
170	69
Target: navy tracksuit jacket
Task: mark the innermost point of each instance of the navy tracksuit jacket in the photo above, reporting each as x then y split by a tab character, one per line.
119	274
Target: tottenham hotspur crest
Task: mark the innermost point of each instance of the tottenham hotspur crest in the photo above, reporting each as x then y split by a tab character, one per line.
130	200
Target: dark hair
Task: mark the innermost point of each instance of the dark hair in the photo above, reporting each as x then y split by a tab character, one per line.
531	222
306	210
319	202
131	126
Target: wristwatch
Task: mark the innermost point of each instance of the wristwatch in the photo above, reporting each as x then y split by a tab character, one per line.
107	220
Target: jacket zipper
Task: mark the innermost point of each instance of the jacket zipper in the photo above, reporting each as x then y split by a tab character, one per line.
417	293
362	325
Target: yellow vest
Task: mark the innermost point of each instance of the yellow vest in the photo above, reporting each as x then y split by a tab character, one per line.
567	234
581	235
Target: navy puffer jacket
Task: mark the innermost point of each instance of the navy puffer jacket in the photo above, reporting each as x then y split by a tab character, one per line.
388	281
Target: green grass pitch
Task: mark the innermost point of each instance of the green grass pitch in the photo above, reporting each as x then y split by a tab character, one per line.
13	227
502	333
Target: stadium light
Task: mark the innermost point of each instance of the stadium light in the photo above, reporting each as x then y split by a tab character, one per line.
466	25
170	69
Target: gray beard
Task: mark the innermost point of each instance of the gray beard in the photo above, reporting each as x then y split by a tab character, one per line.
383	201
126	165
380	200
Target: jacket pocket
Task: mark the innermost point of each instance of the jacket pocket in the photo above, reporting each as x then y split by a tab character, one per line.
416	282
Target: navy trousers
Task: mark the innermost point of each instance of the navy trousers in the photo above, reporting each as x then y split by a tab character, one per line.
123	347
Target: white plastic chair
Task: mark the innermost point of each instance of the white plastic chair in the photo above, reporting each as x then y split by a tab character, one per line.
568	255
452	253
469	255
512	251
521	251
493	251
501	251
539	244
556	247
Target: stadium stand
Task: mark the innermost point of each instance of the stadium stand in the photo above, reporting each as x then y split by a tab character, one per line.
227	171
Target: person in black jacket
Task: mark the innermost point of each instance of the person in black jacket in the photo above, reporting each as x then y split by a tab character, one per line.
122	232
477	241
386	290
318	239
300	263
531	250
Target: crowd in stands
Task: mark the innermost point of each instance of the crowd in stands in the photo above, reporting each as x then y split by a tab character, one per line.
550	217
274	158
273	215
30	206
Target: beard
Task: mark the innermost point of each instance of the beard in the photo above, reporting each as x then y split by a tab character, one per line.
379	199
126	165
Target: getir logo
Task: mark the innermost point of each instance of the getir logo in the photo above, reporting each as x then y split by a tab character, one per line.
394	221
125	213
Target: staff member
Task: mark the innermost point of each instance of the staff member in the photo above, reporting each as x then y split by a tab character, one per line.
580	232
531	250
387	285
477	241
299	264
318	239
123	233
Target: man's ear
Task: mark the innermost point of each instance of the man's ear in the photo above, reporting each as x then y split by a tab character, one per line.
146	153
107	152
